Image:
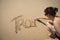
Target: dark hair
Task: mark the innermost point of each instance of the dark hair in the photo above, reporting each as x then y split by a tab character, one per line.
51	11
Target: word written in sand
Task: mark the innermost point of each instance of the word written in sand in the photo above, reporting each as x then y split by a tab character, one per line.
20	21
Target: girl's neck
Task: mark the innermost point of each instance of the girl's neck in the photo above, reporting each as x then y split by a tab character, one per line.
52	18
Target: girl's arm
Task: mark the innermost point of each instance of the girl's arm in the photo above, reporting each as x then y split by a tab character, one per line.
57	26
42	18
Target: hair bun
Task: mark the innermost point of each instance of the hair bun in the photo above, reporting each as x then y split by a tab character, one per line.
56	9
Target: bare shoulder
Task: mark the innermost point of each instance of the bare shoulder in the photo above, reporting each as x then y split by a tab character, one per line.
57	19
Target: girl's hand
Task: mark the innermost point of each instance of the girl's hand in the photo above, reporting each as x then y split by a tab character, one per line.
36	19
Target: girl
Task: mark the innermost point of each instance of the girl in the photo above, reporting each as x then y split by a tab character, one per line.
54	26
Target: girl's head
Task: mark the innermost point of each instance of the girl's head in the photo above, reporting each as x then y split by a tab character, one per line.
50	12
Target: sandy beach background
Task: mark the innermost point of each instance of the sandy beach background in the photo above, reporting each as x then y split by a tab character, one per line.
30	9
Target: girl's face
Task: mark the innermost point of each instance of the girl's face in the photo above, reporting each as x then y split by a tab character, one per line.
49	16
